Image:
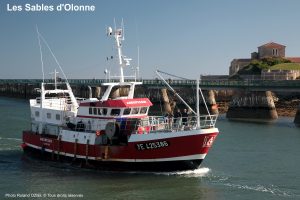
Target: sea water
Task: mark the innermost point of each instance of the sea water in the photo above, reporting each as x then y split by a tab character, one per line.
247	161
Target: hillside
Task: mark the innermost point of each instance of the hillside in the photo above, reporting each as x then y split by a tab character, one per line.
256	66
286	66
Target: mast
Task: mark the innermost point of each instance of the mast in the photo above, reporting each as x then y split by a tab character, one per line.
198	99
118	35
138	65
55	78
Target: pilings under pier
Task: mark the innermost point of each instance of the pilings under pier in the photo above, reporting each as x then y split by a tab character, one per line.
244	104
169	103
209	96
297	117
252	106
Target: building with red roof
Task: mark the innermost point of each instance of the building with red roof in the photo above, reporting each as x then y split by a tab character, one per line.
270	49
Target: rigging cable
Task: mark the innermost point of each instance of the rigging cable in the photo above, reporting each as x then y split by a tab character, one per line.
53	56
41	53
161	111
173	75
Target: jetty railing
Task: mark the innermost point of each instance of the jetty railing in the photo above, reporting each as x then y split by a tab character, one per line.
222	83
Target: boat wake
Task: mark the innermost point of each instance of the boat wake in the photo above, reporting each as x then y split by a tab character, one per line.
272	189
15	139
9	148
13	144
228	181
201	172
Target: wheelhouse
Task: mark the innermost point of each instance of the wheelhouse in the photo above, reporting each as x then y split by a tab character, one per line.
127	108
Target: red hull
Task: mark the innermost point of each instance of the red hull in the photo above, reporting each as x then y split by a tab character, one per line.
167	150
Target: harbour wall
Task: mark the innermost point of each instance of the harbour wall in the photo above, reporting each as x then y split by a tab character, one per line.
237	104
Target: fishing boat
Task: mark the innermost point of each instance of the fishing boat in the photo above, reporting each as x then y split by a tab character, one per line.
115	130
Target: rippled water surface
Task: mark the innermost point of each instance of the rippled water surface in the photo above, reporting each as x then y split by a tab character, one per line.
247	161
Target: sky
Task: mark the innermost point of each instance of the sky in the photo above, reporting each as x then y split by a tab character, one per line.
186	38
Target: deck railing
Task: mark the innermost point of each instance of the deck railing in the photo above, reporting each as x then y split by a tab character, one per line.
151	124
63	104
155	124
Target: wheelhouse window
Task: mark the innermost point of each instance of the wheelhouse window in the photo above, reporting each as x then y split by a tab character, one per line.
90	110
115	112
104	111
37	113
95	111
126	111
143	110
135	111
57	116
99	111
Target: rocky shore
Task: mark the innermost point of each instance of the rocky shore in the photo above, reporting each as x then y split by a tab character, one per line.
287	108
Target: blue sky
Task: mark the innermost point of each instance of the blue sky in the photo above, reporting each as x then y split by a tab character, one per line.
187	38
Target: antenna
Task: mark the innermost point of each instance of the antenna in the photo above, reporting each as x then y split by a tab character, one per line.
115	23
123	29
138	50
118	35
41	53
138	63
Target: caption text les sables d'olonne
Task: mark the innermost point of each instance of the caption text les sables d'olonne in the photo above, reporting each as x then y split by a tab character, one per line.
50	8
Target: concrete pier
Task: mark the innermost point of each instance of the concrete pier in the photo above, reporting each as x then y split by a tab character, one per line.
19	90
210	99
297	117
252	106
169	104
97	92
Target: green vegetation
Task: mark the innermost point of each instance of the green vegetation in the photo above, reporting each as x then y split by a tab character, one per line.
256	66
286	66
270	61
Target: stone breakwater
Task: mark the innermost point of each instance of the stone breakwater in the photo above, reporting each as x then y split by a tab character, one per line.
284	108
252	105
